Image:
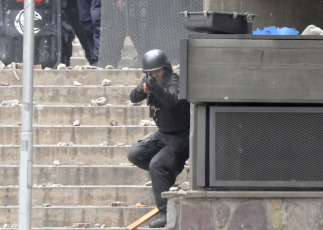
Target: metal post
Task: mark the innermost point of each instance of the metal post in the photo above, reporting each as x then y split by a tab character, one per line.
26	138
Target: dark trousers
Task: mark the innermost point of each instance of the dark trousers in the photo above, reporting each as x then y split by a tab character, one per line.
90	17
164	156
71	13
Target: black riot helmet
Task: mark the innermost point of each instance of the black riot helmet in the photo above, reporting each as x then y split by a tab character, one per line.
155	60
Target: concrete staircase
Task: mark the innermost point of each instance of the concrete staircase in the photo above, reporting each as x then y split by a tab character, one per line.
82	181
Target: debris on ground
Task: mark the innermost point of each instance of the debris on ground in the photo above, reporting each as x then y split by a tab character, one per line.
114	123
61	66
109	67
56	162
65	144
2	66
140	205
76	83
144	122
99	102
106	82
117	204
149	183
4	83
81	225
129	103
173	189
46	205
76	123
14	102
105	143
185	186
312	30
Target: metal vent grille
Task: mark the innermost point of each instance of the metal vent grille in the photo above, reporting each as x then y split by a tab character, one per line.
264	146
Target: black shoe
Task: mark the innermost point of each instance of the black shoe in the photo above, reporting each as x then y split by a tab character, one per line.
160	222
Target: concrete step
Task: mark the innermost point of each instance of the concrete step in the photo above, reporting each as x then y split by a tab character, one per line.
89	115
76	155
61	216
81	135
78	51
71	95
67	77
81	195
78	61
80	175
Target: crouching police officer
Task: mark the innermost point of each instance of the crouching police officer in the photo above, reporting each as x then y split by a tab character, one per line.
164	152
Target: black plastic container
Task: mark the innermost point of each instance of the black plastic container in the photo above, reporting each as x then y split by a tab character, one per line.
218	22
47	32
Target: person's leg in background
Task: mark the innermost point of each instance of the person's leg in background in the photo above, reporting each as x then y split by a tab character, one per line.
72	15
96	22
84	7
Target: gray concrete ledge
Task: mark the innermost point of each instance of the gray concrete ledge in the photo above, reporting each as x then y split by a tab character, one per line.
243	194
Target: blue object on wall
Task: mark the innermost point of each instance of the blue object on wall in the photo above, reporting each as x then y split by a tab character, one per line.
273	30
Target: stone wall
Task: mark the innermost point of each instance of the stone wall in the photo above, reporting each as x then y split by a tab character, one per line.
245	210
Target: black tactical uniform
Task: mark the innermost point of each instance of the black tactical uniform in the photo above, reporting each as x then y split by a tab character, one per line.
163	153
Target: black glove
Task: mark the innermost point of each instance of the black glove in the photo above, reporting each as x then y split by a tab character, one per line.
151	83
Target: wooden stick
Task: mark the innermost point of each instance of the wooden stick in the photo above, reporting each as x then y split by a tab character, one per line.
143	219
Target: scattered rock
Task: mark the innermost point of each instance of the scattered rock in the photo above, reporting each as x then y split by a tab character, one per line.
312	30
114	123
152	123
97	225
76	83
46	205
14	102
61	66
4	83
99	102
56	163
173	189
81	225
103	226
117	203
105	143
129	103
6	226
140	205
14	226
2	66
47	68
148	183
185	186
106	82
144	122
109	67
76	123
65	144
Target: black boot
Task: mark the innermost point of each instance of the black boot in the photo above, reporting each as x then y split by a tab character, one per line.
160	222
